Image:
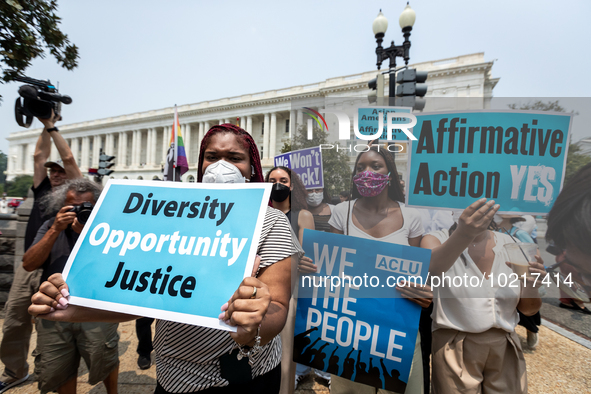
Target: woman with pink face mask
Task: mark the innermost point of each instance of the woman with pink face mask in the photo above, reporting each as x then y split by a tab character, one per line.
375	212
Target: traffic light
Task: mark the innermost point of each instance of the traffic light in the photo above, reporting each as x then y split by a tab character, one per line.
104	164
411	89
376	86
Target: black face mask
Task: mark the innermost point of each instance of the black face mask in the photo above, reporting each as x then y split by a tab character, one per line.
279	192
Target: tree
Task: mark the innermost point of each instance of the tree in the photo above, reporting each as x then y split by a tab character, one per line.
19	186
3	166
335	164
574	159
27	29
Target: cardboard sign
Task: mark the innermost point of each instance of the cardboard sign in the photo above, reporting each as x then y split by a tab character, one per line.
368	120
517	158
343	328
307	163
172	251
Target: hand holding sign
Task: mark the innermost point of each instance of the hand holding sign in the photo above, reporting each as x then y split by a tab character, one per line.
420	294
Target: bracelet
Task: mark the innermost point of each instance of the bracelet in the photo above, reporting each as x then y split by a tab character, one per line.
253	350
52	129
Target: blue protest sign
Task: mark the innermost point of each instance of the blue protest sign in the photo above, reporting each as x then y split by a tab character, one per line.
173	251
341	327
517	158
307	163
368	122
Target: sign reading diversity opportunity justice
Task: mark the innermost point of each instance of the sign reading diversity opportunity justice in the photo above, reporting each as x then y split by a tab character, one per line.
307	163
517	158
173	251
360	328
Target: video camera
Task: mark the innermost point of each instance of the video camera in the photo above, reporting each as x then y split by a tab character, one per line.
82	211
39	98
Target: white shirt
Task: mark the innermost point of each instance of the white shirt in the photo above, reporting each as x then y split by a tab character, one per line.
411	224
471	308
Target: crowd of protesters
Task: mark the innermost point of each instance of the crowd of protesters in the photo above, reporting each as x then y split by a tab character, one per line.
456	328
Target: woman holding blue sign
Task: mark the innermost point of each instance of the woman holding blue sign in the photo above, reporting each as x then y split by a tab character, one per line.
375	213
475	347
190	358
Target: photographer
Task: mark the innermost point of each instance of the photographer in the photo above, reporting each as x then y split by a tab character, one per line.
17	328
60	345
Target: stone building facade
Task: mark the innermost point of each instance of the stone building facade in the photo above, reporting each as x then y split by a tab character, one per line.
140	140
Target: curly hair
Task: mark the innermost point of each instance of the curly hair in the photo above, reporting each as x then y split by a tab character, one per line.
569	220
298	192
244	138
56	200
394	189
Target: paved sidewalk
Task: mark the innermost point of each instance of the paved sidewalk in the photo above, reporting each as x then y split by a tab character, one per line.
558	365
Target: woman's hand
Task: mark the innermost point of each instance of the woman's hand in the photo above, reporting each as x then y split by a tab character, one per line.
537	272
246	310
476	218
420	294
307	266
51	301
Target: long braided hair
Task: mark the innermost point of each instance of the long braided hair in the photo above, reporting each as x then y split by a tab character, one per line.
298	192
244	138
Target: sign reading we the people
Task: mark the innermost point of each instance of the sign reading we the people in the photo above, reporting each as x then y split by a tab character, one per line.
350	319
307	163
517	158
173	251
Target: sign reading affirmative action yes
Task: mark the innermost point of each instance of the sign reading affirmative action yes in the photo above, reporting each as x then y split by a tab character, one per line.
174	251
517	158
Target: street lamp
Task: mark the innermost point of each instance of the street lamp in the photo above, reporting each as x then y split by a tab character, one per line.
380	25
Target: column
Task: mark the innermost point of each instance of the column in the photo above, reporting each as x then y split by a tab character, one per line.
151	146
227	121
134	148
273	135
148	147
292	123
29	160
220	122
300	118
19	158
119	159
249	124
75	148
202	126
140	149
187	142
85	154
243	123
266	137
109	144
54	155
165	142
123	144
96	145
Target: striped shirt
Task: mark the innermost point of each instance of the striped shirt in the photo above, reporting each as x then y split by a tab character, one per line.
187	356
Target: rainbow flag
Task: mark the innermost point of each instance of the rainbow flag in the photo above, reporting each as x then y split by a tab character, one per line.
176	159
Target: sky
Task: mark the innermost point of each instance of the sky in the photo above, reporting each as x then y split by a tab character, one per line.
137	56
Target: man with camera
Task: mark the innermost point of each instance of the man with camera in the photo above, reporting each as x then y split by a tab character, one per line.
60	345
17	328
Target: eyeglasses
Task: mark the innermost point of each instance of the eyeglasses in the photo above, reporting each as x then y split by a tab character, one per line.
566	283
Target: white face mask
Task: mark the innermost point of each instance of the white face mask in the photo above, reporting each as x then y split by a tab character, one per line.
222	172
314	199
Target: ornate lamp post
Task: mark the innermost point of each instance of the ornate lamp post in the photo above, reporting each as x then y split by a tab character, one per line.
380	25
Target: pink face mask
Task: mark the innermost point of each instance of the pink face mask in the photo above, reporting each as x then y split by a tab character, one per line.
370	183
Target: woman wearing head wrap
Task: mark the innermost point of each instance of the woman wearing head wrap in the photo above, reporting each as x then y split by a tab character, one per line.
199	359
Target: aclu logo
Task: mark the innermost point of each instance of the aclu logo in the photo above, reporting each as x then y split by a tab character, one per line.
398	265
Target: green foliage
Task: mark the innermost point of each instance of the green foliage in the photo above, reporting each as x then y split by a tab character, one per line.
574	159
3	167
337	173
27	29
19	186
